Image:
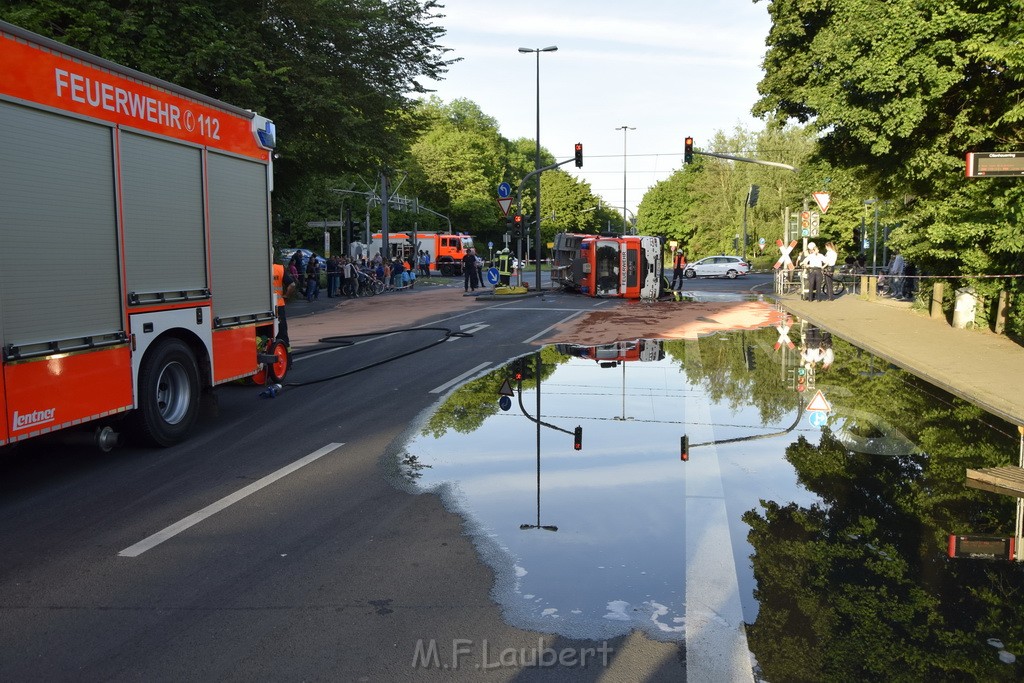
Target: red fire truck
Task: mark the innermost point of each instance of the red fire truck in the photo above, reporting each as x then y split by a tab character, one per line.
624	266
135	223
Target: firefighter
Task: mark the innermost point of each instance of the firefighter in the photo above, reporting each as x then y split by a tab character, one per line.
284	287
504	267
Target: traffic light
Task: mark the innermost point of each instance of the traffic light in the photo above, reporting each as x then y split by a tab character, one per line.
688	150
856	238
810	377
801	379
684	448
508	224
517	226
517	370
579	155
752	196
577	439
805	220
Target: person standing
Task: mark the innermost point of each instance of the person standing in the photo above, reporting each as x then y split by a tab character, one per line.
426	263
828	270
351	279
334	275
678	268
312	279
813	262
469	270
284	286
896	270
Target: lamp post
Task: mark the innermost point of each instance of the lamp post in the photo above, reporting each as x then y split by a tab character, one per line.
536	213
625	129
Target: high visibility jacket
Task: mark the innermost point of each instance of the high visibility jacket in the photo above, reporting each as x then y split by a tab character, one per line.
278	279
680	261
504	264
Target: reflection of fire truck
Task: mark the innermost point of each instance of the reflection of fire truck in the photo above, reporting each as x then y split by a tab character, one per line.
610	355
628	266
446	250
135	222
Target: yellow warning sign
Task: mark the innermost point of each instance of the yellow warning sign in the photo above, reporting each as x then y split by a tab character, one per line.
819	403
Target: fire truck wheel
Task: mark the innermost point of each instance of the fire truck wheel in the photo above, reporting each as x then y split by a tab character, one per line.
284	361
168	393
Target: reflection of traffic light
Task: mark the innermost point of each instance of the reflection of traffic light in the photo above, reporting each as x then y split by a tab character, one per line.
517	370
579	155
577	439
810	377
688	149
801	379
684	448
517	226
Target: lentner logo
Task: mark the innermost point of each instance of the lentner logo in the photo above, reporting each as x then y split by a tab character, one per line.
36	417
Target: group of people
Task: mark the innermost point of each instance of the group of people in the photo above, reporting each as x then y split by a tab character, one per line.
820	268
344	274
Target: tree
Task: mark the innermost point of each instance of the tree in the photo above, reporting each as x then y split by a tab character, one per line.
900	91
334	75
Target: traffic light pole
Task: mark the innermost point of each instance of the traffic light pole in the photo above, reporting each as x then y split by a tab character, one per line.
519	204
776	164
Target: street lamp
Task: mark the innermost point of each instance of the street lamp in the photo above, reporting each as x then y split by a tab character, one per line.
536	213
625	129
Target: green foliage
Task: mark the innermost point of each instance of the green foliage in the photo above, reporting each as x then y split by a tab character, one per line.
900	91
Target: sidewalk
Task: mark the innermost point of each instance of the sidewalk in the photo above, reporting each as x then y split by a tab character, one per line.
978	366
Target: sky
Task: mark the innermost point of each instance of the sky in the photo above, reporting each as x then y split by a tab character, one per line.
664	68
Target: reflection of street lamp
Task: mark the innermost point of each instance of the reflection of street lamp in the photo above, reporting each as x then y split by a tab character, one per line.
536	213
538	525
625	129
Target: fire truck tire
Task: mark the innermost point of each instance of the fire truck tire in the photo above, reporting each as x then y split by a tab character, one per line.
168	393
284	361
446	266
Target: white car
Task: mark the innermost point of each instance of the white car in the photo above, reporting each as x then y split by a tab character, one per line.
717	266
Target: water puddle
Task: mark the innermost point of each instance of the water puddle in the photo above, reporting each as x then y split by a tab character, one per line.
775	490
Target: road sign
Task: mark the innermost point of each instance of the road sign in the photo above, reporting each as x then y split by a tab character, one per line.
492	276
504	203
988	164
504	190
824	199
818	418
504	403
819	403
506	389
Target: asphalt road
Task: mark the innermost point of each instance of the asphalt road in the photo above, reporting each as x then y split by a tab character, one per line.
151	565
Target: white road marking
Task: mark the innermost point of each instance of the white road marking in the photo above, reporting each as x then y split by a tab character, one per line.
446	385
471	328
210	510
716	639
548	329
339	348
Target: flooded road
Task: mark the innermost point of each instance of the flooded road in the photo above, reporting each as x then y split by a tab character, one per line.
777	499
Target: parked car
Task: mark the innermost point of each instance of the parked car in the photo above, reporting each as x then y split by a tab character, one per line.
285	255
717	266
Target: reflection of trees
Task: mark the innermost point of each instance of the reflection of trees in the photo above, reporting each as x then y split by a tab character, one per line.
858	586
739	369
471	404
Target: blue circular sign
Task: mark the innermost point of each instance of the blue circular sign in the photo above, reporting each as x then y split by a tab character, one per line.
504	190
818	418
492	276
504	403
